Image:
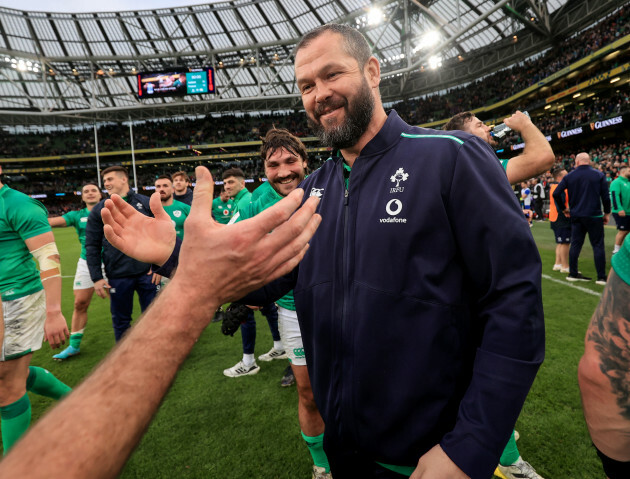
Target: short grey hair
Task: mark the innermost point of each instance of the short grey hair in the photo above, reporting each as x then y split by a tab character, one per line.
355	43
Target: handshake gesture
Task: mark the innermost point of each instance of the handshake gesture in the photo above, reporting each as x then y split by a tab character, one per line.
222	261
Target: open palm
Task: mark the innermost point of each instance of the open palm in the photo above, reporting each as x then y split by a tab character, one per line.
150	240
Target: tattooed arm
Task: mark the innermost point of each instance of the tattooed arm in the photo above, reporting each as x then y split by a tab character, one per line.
604	371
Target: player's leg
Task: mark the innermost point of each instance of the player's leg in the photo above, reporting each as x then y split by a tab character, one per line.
270	312
82	299
564	255
246	366
512	465
311	422
121	304
24	320
557	265
622	231
15	406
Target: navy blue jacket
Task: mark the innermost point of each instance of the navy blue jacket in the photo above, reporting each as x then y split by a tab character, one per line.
117	264
588	190
185	198
419	300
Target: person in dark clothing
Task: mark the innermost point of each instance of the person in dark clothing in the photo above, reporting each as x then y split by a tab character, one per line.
124	274
588	191
422	330
181	185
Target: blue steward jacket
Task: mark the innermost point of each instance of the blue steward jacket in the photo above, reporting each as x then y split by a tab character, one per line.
588	190
98	249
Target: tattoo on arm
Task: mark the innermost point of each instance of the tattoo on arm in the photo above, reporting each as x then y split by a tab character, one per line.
609	330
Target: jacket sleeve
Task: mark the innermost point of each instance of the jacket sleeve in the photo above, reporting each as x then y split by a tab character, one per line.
273	291
558	195
501	261
94	243
614	198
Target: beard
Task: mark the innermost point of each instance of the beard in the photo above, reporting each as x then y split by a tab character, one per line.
358	116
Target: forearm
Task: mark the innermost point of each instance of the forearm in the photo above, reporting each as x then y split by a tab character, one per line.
537	151
119	399
52	289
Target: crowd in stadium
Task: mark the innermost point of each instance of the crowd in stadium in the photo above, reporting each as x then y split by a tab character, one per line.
229	128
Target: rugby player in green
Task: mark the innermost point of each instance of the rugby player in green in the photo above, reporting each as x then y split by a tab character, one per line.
285	160
31	303
222	208
177	210
537	157
234	185
83	286
620	199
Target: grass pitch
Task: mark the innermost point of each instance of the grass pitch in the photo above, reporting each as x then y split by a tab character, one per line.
210	426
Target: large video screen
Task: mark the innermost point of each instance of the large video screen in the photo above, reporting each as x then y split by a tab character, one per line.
190	81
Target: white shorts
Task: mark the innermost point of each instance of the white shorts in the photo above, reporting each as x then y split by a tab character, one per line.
82	279
291	336
24	320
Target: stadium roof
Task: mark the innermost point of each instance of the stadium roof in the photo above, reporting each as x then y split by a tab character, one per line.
60	68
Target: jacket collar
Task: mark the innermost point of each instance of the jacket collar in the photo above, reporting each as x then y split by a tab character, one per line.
388	134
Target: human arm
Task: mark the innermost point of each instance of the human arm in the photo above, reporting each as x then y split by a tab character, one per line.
55	327
57	221
506	308
603	370
108	413
537	156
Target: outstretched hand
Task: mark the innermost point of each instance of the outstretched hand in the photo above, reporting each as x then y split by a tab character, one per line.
150	240
230	261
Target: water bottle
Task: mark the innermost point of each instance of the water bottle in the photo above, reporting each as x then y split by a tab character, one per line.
501	129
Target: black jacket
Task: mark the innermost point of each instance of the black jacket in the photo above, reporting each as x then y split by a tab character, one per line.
98	249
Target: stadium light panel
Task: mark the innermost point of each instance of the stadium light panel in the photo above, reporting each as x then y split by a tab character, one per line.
577	95
615	80
547	107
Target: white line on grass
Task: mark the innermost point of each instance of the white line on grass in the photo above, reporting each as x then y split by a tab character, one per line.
566	283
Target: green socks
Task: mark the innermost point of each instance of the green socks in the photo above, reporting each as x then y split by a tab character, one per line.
42	382
75	339
15	419
316	448
510	453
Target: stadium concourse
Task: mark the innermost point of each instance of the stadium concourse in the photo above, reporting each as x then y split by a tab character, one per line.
68	115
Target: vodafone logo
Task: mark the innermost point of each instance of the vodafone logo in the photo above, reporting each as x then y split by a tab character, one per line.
393	207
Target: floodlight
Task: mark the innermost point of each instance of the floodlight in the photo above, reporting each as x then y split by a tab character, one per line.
430	39
374	16
435	62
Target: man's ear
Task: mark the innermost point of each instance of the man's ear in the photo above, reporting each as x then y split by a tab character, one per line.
373	72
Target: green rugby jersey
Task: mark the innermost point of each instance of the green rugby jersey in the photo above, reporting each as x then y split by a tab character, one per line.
267	198
242	199
178	212
222	211
21	218
620	194
78	219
